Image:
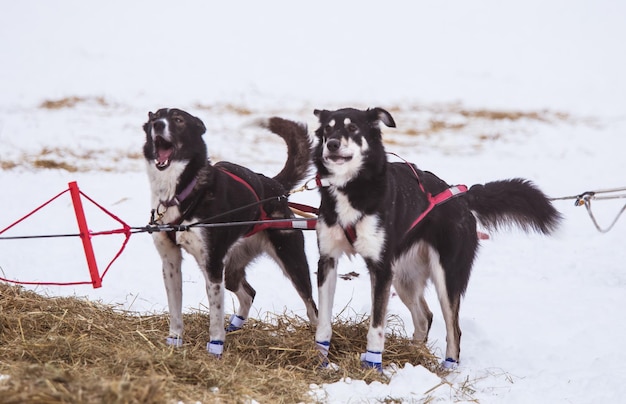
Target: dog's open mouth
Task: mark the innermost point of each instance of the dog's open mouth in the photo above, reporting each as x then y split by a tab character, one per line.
163	151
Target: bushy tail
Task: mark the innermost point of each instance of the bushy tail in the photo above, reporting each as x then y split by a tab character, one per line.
299	148
513	202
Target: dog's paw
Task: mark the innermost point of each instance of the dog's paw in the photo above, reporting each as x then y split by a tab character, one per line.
323	347
372	360
325	364
328	366
215	348
236	322
175	341
449	364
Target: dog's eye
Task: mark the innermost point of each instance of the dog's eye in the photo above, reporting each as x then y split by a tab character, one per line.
178	120
328	128
352	128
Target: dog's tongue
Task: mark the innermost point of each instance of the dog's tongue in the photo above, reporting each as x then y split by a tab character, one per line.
163	155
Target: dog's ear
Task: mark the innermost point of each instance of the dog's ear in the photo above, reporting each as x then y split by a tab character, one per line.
146	126
378	114
197	122
321	114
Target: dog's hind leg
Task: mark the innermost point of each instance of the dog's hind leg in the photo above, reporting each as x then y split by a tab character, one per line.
420	313
171	257
288	251
450	310
410	276
235	263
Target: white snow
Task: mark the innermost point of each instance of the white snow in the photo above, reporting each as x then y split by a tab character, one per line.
542	319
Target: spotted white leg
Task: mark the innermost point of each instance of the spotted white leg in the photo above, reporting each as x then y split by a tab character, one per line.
217	333
171	257
212	268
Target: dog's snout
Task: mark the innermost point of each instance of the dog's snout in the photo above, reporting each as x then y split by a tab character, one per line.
158	126
333	145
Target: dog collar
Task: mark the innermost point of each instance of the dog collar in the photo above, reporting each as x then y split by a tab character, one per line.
178	199
317	180
322	182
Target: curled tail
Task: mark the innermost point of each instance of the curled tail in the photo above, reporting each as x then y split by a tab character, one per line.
299	148
513	202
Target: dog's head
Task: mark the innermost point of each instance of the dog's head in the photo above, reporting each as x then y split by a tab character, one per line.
173	135
347	139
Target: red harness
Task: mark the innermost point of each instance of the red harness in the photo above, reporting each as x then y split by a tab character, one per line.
257	227
266	220
433	201
438	199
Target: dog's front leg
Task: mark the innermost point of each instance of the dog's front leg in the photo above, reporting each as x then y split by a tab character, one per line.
210	259
380	277
214	273
326	283
171	257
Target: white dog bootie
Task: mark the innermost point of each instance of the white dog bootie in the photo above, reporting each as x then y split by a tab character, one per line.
236	322
449	364
372	360
215	348
175	341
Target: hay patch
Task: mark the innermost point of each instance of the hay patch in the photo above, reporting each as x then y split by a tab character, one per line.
72	102
61	350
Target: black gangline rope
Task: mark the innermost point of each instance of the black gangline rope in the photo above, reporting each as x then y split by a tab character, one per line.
580	200
208	223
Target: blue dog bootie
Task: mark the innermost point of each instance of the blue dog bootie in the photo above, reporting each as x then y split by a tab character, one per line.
373	360
236	322
215	348
449	364
175	341
323	347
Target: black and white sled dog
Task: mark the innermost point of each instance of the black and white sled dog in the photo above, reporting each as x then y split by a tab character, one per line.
380	210
187	188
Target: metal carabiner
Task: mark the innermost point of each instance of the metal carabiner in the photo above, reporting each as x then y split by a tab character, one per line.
156	216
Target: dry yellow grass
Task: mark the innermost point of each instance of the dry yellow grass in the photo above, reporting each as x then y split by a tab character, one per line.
72	160
71	350
71	102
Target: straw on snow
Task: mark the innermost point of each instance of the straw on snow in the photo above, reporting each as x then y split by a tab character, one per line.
58	349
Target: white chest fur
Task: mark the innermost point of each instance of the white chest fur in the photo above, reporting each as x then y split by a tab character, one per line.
163	188
346	214
163	183
370	235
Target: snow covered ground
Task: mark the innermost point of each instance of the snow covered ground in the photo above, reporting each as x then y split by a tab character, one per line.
542	319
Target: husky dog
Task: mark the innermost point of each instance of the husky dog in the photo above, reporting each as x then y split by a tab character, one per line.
382	211
187	188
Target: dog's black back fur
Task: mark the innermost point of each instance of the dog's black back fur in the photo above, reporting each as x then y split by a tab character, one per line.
351	155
